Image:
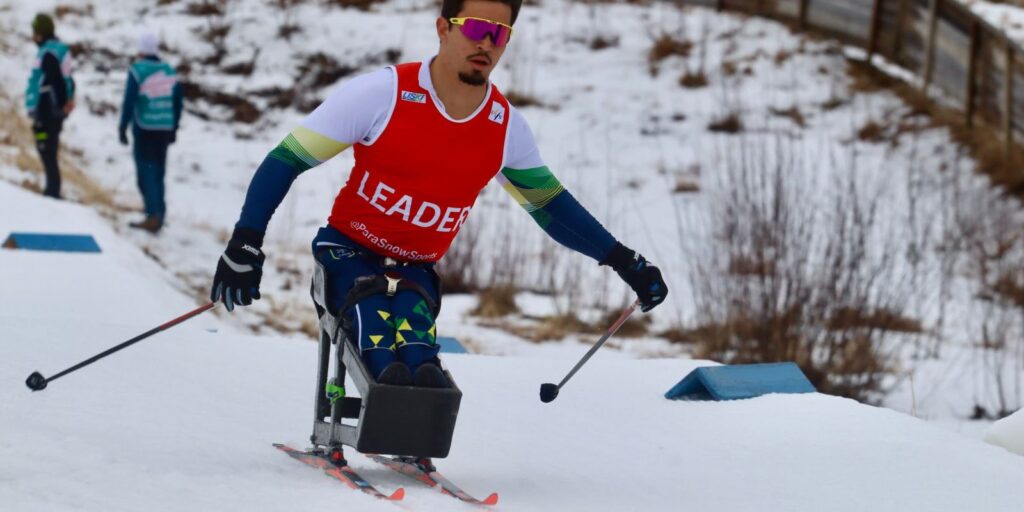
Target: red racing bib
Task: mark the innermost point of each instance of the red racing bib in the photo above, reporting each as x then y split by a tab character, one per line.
412	189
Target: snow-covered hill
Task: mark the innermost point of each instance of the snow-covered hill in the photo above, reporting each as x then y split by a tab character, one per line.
634	145
184	421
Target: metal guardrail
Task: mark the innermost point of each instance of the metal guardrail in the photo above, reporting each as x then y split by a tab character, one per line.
941	41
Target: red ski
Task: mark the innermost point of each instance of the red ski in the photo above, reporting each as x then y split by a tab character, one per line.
342	472
430	476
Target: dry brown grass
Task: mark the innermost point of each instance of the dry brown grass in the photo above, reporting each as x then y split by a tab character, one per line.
792	113
1010	287
362	5
634	327
850	318
522	99
693	80
76	184
62	11
833	103
557	327
1005	166
872	131
730	123
676	334
782	56
205	8
496	301
601	42
685	186
666	46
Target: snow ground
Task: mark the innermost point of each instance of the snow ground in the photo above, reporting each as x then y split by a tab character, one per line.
184	421
618	144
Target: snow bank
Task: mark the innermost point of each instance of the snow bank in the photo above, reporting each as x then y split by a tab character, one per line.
184	421
1008	433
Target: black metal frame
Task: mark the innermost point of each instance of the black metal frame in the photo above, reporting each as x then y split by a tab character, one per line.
394	420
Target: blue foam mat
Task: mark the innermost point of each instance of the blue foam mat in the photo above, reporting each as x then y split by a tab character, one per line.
734	382
451	346
52	242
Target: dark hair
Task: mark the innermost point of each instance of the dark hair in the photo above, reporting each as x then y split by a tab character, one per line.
42	25
451	8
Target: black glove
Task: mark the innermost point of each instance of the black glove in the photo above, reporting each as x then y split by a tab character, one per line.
643	277
239	270
123	137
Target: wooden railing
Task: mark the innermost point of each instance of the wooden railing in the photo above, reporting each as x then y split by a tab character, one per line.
946	45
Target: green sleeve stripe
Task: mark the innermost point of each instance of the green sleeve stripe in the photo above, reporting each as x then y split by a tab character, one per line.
286	154
299	151
320	148
303	149
533	188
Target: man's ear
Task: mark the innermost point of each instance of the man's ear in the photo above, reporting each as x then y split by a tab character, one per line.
442	29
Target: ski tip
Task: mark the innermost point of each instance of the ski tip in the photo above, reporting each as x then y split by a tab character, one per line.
398	494
491	500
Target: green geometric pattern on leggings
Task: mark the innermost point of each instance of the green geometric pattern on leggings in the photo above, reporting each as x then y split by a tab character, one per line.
404	331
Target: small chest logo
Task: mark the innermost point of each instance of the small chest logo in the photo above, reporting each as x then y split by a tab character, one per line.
497	113
415	97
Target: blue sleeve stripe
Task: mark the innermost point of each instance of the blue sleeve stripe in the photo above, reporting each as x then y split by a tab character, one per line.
267	190
571	225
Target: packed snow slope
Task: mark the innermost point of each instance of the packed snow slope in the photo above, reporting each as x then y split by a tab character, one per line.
185	420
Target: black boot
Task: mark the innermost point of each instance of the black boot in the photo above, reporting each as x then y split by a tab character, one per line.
430	375
395	374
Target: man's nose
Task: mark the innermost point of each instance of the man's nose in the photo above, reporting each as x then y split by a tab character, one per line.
486	44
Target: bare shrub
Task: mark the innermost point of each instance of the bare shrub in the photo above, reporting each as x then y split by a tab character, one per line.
634	326
62	11
240	108
603	42
693	80
321	69
985	142
782	56
287	30
665	46
833	103
730	123
205	8
557	327
872	131
792	113
523	100
796	276
459	269
992	232
684	186
362	5
496	301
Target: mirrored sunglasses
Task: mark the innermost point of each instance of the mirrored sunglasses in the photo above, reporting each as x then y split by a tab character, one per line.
476	29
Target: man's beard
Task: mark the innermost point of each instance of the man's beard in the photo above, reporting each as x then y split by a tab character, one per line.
475	78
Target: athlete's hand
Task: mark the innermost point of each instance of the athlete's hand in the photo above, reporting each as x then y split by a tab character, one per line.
68	107
239	270
642	276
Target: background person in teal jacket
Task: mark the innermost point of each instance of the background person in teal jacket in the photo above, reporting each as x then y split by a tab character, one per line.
152	105
49	97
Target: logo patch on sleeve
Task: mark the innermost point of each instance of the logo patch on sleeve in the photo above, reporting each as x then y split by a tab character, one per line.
415	97
497	113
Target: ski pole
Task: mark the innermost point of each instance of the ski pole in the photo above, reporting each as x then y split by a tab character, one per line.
36	381
549	391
